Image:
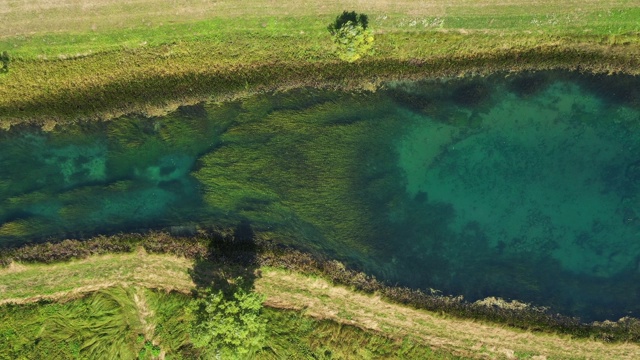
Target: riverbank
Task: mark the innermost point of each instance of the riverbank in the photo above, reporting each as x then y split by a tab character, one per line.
313	296
152	67
68	269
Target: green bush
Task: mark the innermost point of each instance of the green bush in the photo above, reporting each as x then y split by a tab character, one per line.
351	36
227	326
346	17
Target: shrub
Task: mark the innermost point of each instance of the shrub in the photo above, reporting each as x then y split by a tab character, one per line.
351	36
346	17
228	325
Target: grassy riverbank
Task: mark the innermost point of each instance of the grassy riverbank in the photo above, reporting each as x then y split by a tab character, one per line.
383	329
103	59
137	323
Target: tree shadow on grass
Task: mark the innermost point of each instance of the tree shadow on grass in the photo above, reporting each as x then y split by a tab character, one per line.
231	262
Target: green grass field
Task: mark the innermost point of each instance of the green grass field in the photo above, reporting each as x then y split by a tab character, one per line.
104	59
130	323
69	29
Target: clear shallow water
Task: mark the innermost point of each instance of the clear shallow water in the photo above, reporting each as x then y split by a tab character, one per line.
544	173
524	187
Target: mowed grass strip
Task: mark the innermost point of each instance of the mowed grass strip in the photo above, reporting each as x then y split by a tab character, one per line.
63	29
320	299
315	297
24	283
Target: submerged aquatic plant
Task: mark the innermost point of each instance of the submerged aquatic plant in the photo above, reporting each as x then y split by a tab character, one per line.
306	174
472	94
529	85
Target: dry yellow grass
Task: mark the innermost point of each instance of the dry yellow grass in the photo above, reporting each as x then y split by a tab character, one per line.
33	282
316	297
466	338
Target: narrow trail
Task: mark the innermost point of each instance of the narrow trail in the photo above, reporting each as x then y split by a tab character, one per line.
144	314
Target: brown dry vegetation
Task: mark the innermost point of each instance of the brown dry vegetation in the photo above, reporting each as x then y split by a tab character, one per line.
314	296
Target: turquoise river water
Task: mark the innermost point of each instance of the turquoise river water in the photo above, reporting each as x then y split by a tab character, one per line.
517	186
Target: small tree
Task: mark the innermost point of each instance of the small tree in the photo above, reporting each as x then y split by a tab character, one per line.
351	35
227	326
353	17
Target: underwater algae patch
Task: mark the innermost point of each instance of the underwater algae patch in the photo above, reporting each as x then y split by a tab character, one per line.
90	178
520	186
303	173
539	170
540	188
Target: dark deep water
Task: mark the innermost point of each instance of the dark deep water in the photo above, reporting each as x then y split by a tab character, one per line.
523	186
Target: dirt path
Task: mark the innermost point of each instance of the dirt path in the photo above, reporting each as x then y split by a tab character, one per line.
144	313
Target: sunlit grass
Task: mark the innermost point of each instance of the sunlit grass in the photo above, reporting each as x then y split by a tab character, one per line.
291	335
116	324
64	280
132	319
101	326
155	64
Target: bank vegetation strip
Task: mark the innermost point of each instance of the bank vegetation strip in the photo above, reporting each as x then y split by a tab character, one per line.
314	296
103	59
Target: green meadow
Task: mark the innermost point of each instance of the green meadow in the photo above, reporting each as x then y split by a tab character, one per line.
102	60
108	325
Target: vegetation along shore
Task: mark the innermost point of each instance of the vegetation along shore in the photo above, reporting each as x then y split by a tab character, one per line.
139	286
104	60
